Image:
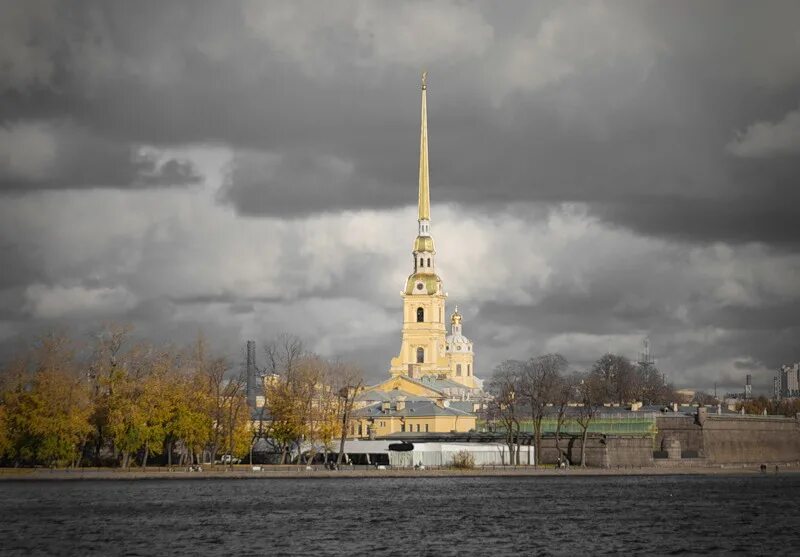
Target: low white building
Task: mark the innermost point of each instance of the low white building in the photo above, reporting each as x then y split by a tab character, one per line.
443	454
431	454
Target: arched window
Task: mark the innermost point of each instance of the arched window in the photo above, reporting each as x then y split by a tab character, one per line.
458	369
420	355
468	370
429	262
420	315
421	262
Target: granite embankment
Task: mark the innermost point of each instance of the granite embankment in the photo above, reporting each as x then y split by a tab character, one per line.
285	472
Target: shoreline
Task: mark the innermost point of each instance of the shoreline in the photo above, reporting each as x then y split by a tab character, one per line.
17	474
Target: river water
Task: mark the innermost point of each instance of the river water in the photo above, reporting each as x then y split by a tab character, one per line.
404	516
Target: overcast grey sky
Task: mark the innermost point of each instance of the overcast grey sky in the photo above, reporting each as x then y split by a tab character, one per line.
600	171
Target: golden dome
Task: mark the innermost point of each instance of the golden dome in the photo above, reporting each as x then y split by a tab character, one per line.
455	319
423	243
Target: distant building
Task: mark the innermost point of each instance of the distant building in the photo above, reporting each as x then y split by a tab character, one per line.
790	380
686	395
403	415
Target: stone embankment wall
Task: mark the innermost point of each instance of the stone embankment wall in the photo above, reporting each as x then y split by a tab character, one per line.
702	439
602	451
751	439
731	439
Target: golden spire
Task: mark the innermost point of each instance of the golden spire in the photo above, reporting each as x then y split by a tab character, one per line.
424	187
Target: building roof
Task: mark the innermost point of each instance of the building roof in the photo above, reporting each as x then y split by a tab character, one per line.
415	408
391	394
464	405
439	383
400	378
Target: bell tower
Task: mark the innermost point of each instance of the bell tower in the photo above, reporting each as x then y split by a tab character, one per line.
423	347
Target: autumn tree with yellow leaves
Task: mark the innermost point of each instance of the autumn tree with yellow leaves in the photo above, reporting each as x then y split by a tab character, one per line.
45	406
122	402
307	414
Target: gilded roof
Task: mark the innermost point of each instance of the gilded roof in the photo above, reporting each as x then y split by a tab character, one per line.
430	280
423	243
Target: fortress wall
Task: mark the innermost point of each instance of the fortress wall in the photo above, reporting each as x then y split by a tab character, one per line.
681	427
601	452
751	439
629	451
571	446
733	439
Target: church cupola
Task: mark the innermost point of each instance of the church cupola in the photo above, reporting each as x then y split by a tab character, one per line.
455	322
456	341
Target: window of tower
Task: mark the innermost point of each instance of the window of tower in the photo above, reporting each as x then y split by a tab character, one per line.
420	355
420	315
429	262
458	369
468	370
421	262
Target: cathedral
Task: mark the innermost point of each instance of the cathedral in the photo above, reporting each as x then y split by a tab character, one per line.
432	387
426	349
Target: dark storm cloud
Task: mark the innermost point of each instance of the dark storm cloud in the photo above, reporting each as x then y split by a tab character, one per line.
259	184
41	157
674	120
641	136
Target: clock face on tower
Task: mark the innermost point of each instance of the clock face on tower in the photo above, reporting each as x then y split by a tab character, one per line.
420	286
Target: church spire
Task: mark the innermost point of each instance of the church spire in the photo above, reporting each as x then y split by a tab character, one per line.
424	185
423	245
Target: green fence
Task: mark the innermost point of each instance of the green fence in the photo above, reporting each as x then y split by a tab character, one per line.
619	425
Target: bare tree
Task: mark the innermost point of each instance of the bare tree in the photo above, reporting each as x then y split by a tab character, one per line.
538	383
653	388
506	404
617	378
564	393
704	399
590	390
350	380
283	353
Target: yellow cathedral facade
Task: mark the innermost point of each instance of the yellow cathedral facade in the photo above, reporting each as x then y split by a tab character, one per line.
432	385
